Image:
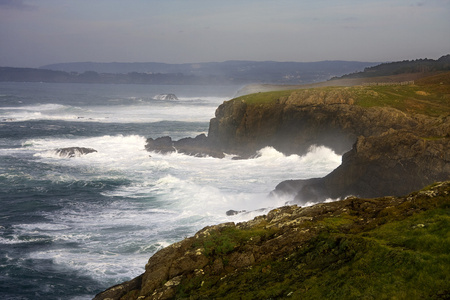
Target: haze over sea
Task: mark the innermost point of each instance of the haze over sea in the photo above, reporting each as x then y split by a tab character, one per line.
71	227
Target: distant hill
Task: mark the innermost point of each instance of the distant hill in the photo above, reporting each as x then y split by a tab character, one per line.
238	72
404	67
230	72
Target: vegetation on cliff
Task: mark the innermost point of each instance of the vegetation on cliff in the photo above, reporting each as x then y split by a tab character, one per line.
394	137
429	95
383	248
404	67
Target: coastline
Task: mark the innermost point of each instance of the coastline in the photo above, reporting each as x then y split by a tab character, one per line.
289	251
394	150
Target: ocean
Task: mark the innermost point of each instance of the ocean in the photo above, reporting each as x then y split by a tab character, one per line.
72	226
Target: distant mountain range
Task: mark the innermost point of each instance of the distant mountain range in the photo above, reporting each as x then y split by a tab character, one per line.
228	72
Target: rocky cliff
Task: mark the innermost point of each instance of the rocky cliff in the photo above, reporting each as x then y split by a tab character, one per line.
389	148
384	248
394	138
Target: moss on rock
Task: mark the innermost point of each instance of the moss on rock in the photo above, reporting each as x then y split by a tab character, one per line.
382	248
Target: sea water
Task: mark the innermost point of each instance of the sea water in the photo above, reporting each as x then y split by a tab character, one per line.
71	227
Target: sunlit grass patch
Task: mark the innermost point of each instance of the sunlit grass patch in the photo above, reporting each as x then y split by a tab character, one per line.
431	99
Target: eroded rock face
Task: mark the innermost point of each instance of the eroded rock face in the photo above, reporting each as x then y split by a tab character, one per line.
393	163
385	151
292	124
74	151
219	253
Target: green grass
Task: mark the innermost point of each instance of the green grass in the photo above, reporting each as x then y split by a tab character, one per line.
430	97
264	97
407	257
409	99
224	241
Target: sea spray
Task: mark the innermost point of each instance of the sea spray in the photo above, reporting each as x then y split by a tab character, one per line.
96	218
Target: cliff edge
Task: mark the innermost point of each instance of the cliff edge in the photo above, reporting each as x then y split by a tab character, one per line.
390	247
394	137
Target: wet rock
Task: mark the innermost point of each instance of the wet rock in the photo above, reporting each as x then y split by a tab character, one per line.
232	212
74	151
161	144
198	146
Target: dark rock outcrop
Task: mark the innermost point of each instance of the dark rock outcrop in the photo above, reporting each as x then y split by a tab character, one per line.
392	163
198	146
304	242
391	152
386	151
74	151
302	118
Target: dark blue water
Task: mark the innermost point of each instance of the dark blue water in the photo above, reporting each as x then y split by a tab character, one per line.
71	227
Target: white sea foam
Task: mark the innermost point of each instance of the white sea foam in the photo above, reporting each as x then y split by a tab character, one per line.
43	112
167	197
188	110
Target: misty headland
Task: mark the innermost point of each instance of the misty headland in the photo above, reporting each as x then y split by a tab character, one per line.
393	131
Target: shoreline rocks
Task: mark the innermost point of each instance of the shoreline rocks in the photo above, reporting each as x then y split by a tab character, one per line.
74	151
385	151
198	146
222	257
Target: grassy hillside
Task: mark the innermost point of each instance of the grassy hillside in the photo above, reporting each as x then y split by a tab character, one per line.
429	95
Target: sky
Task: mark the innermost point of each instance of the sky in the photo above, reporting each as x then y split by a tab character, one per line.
34	33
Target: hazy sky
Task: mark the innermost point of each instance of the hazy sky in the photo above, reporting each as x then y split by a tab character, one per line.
38	32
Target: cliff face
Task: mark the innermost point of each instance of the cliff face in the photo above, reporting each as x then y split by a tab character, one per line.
390	151
377	248
294	122
395	139
393	163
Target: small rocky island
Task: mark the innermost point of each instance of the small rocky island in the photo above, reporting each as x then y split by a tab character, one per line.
387	238
167	97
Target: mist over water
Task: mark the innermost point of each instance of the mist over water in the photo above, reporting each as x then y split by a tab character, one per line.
71	227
